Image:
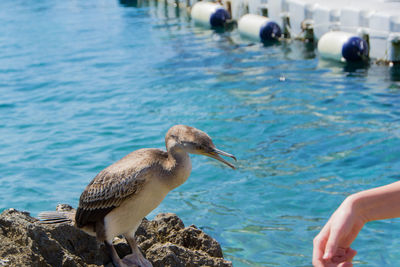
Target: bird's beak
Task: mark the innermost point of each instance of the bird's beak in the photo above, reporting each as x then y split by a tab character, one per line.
215	154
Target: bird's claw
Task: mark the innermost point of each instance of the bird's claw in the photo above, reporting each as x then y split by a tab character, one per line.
132	260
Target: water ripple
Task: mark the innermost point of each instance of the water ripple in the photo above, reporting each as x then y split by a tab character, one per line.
84	83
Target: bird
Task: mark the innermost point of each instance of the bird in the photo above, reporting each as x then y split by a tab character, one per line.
120	196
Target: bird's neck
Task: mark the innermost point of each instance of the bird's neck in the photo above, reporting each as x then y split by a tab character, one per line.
180	167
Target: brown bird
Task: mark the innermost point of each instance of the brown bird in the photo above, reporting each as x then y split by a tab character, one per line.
120	196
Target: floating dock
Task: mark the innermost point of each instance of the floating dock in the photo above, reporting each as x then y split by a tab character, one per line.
375	22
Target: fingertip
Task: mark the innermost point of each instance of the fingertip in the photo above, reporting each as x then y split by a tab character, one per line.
352	253
331	247
327	255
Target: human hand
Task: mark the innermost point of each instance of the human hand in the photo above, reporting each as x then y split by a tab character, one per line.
332	244
343	258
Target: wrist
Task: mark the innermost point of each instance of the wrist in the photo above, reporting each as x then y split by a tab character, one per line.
357	206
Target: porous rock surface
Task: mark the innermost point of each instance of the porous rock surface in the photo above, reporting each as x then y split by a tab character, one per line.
165	241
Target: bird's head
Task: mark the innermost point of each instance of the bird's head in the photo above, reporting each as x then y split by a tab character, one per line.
191	140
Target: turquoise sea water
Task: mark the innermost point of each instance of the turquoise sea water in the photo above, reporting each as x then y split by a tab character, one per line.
85	82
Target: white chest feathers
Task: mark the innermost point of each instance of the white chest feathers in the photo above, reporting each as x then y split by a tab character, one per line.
126	218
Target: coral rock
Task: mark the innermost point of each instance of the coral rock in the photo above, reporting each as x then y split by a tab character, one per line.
164	241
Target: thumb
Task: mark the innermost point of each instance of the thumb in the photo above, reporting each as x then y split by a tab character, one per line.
331	245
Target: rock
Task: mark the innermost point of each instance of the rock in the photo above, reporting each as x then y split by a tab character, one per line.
164	241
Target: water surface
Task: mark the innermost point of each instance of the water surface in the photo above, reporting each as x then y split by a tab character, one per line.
85	83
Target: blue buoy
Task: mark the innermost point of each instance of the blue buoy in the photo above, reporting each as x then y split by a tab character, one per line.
343	46
355	49
270	32
219	17
209	14
259	28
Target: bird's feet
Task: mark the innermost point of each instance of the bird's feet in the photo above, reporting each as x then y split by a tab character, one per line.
133	260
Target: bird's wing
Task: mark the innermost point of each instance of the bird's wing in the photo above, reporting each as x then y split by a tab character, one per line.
113	185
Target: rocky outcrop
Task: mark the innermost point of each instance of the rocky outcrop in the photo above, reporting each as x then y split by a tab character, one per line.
165	241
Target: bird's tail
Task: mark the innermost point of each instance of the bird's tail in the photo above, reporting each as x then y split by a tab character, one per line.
54	217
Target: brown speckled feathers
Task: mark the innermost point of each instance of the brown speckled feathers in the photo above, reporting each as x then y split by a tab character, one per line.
116	183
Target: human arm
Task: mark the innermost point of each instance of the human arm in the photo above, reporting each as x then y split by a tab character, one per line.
332	244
